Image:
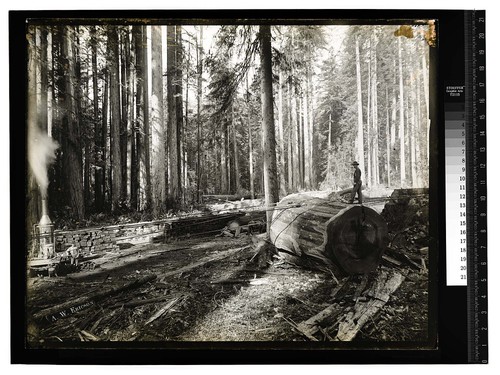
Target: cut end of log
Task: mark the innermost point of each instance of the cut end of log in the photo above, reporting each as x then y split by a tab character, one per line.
357	238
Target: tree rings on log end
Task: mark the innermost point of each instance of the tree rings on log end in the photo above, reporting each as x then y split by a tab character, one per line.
356	239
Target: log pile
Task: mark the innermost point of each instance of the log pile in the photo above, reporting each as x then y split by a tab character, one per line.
108	238
87	240
203	225
323	233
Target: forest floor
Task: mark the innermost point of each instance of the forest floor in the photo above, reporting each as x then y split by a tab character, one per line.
214	289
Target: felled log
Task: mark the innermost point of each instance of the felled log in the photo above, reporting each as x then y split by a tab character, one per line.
197	226
322	233
224	197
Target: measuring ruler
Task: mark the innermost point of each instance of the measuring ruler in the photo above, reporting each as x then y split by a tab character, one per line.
477	298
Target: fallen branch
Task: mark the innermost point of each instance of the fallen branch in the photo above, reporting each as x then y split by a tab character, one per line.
300	329
96	324
391	260
229	281
259	282
325	333
62	310
311	326
361	287
144	302
163	310
339	287
89	336
411	262
256	270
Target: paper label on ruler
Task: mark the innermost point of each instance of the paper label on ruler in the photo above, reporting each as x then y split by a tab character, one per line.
455	151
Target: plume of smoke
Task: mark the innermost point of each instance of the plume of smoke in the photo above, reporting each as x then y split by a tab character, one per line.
41	153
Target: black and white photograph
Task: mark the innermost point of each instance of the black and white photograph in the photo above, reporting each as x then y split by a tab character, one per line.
215	181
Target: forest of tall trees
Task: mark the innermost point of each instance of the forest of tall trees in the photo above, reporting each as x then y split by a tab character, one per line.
151	118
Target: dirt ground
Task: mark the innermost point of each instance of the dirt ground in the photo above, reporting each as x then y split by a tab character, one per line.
225	300
215	289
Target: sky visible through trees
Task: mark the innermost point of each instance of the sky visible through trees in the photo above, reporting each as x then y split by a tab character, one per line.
150	118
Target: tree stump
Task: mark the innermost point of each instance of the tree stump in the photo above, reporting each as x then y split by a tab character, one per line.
325	233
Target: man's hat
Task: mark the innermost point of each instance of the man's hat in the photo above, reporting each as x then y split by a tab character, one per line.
355	163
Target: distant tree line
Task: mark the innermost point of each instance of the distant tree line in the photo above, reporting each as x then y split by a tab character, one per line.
267	110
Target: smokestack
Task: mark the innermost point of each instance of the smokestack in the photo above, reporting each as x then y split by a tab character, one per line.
45	220
46	233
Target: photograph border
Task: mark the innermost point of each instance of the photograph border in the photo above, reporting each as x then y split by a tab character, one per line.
447	308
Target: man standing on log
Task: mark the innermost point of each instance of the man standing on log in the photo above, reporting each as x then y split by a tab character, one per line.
357	184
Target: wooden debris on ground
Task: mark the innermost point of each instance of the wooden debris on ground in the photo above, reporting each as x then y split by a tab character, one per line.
168	306
78	304
89	336
350	319
311	326
384	285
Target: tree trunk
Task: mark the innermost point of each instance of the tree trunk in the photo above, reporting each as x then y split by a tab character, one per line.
42	108
425	76
124	84
114	93
104	135
401	120
235	150
329	149
98	129
228	155
368	123
199	93
300	140
71	145
361	152
307	160
146	140
177	193
223	160
421	157
375	157
271	187
412	136
138	121
387	137
88	157
184	143
290	140
33	191
312	169
394	106
295	142
283	187
250	146
320	233
172	141
157	119
81	95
